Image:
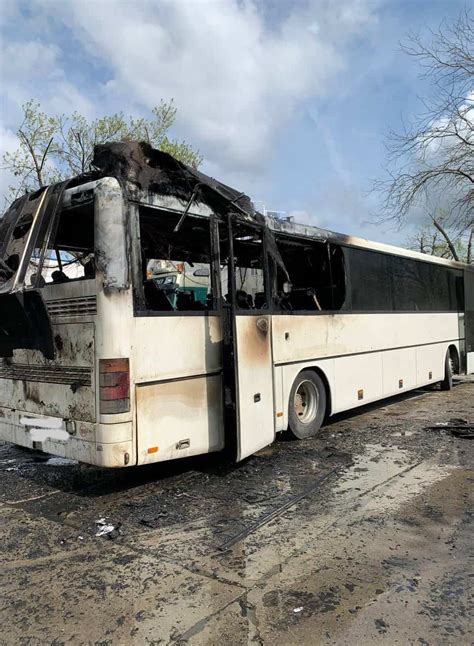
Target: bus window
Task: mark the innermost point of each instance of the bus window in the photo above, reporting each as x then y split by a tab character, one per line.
68	255
424	287
249	271
15	229
316	273
371	281
176	267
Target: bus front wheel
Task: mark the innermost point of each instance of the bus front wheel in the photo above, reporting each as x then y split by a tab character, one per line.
307	405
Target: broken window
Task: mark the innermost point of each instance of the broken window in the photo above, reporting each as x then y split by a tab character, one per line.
15	229
316	276
249	271
176	267
68	255
62	247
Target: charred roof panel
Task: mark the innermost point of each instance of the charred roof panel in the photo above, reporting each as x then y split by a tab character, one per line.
148	169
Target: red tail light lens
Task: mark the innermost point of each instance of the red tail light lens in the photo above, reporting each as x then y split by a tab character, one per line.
114	386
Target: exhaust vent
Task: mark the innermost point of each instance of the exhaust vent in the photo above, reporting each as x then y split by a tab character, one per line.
66	308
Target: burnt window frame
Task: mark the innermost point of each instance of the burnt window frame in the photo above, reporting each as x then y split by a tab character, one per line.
328	245
55	227
230	231
48	209
139	301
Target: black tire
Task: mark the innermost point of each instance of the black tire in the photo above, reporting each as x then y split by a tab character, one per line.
447	382
307	405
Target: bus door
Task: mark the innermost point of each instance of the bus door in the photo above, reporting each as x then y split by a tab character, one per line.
248	361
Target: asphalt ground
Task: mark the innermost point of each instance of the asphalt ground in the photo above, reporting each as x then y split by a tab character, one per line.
362	535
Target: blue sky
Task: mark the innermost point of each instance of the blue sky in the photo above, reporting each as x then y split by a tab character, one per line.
288	101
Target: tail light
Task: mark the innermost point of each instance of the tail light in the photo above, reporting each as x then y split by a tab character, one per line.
114	386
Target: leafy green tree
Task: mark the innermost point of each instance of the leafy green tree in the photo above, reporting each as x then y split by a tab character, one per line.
54	147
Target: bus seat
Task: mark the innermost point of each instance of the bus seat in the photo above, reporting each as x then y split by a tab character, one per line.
59	276
156	298
260	300
185	300
242	300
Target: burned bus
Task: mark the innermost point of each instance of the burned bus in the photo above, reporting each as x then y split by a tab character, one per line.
102	362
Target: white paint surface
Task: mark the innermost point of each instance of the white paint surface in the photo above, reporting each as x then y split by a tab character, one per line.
42	422
43	434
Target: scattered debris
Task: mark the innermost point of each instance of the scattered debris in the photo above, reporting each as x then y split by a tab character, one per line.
103	527
458	427
60	462
154	522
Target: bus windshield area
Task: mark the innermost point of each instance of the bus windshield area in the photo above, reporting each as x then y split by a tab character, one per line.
176	267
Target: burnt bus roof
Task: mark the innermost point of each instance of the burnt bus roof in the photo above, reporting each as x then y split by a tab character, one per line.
153	171
143	170
324	235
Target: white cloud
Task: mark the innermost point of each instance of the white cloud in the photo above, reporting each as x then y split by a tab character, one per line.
8	143
236	72
35	70
235	79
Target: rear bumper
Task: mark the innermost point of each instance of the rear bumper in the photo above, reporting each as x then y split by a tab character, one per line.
105	445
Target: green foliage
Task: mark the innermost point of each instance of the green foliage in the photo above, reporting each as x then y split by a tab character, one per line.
54	147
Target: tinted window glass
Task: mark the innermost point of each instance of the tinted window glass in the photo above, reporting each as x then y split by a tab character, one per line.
424	287
371	284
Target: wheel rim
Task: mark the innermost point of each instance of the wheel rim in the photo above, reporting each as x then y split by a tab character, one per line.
306	402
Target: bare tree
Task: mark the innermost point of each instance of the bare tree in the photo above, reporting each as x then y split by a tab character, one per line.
431	162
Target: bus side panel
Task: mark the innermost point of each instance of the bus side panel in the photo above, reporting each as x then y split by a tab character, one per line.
366	351
178	386
359	379
399	371
179	418
430	360
304	337
173	347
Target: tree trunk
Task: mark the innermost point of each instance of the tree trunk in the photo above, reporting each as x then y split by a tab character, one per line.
443	232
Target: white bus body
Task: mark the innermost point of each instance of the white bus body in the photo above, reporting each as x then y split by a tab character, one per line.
122	378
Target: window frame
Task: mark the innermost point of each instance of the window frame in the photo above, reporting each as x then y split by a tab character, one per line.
139	302
327	244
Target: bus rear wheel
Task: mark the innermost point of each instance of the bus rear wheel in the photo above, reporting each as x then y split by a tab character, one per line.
307	405
447	382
